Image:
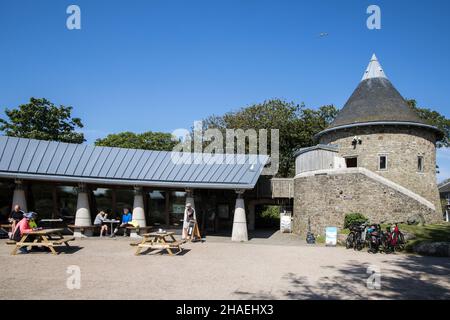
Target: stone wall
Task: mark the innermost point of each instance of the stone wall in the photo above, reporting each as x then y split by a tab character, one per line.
402	145
326	199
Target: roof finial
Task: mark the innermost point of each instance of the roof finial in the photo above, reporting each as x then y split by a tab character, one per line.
374	69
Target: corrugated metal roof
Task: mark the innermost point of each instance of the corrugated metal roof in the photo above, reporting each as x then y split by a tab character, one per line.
58	161
328	147
444	187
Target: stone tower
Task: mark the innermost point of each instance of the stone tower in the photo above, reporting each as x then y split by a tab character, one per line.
382	148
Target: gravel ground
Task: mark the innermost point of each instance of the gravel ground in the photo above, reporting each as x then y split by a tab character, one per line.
277	267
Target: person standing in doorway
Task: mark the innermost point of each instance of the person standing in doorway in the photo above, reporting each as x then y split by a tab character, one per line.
189	215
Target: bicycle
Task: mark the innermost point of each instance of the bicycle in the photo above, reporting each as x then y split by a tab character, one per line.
394	240
374	238
356	237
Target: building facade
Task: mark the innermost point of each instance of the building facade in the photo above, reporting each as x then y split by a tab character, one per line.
381	162
377	158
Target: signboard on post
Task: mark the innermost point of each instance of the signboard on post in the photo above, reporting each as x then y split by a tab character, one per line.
331	236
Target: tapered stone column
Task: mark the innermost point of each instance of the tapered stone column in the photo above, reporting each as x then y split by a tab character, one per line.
138	210
83	213
239	232
19	196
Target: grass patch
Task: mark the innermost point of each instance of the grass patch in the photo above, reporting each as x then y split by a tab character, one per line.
426	233
320	239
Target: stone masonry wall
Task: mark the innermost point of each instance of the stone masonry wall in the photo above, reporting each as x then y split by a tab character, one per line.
402	145
326	199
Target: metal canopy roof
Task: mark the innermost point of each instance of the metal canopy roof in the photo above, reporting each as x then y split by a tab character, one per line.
328	147
75	163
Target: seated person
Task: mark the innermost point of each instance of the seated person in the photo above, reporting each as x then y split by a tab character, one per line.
22	227
126	221
32	222
15	216
98	222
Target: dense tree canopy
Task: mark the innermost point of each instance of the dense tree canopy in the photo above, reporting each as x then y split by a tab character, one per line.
434	118
296	124
41	119
147	140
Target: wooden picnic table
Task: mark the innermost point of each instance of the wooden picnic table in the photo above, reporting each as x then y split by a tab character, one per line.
43	238
159	241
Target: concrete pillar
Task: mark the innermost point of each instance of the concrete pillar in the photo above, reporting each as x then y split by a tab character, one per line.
251	216
138	209
239	232
83	213
19	196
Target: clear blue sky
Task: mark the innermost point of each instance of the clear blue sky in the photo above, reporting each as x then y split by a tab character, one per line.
161	64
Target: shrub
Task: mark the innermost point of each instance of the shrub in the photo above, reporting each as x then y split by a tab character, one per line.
354	218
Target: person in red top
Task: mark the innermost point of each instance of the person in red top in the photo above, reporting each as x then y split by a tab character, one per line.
22	227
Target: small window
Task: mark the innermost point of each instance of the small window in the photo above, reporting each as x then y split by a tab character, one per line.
351	162
420	163
382	162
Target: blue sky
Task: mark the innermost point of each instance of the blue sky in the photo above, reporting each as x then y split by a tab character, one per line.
161	64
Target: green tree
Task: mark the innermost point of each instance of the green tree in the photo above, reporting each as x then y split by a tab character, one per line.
297	125
41	119
433	118
147	140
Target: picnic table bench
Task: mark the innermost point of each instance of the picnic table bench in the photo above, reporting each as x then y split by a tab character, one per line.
159	241
48	238
135	231
83	230
7	227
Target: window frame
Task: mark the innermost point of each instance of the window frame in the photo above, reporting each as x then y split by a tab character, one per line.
421	161
351	157
385	163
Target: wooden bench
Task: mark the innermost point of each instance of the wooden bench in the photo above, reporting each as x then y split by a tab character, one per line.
83	231
159	241
135	231
64	240
6	227
48	238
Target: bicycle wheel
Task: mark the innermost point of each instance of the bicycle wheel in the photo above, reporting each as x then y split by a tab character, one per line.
401	243
373	248
350	241
358	242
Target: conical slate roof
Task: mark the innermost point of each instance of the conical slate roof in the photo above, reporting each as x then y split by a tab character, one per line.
375	101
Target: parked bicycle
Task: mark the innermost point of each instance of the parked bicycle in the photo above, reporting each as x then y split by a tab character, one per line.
374	238
357	237
393	239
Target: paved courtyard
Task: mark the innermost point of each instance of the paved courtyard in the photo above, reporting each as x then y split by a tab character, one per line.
275	266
